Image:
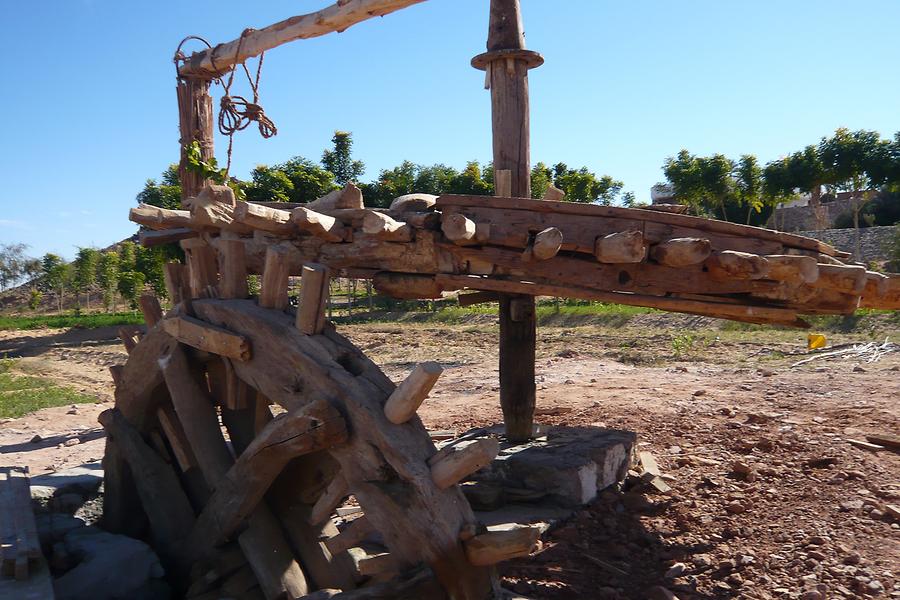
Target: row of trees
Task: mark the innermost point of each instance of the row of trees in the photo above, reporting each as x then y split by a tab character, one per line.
302	180
742	190
122	272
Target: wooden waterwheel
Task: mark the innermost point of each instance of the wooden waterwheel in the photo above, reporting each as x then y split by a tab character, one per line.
240	428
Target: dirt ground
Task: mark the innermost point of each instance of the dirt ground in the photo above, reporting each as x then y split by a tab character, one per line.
812	520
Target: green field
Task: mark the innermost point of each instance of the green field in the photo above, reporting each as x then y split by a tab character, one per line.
23	394
86	321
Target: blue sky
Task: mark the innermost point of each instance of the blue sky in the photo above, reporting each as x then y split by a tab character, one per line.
89	102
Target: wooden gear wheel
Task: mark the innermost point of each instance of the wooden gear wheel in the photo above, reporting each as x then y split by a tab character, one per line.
239	503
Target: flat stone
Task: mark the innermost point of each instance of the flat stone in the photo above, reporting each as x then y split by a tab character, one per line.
110	566
567	466
83	480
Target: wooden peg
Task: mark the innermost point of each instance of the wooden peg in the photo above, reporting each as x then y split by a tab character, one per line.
274	286
409	395
546	245
314	284
320	225
554	194
458	228
233	269
462	460
151	309
493	547
621	247
385	228
681	252
793	270
737	265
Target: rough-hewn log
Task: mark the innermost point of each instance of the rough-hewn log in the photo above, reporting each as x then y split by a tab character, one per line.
238	492
330	499
493	547
338	17
204	336
314	289
272	220
477	298
413	203
348	196
128	335
407	286
458	228
263	543
274	286
621	248
793	270
150	309
736	312
681	252
729	264
195	124
320	225
502	182
554	194
418	521
232	270
409	395
546	245
461	460
353	534
157	484
202	267
153	217
385	228
151	239
215	207
848	279
176	279
173	431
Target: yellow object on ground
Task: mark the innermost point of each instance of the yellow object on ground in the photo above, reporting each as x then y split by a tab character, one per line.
816	341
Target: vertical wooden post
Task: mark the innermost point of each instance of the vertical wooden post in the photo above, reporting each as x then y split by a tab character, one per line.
507	63
195	122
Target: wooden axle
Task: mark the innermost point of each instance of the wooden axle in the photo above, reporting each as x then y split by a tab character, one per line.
403	403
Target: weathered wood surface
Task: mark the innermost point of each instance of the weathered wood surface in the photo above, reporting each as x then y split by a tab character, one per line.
404	401
337	17
385	465
492	547
204	336
262	541
314	427
314	290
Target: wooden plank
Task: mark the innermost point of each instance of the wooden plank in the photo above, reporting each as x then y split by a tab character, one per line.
492	547
649	216
157	218
233	269
204	336
178	441
314	290
357	531
274	285
750	314
315	427
254	42
151	239
151	310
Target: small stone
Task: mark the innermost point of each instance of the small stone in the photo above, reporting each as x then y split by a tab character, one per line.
727	565
72	442
37	438
874	587
658	592
852	559
702	561
73	410
700	393
858	369
815	554
765	372
812	595
735	507
676	570
851	505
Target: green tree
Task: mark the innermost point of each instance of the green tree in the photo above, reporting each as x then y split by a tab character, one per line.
471	181
748	185
339	161
55	273
702	182
131	284
269	185
541	178
108	277
127	256
149	262
166	194
85	272
13	264
309	180
853	162
583	185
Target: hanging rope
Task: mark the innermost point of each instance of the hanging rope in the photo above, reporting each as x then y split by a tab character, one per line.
236	112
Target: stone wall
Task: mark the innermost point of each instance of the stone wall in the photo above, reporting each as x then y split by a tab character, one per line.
874	241
803	218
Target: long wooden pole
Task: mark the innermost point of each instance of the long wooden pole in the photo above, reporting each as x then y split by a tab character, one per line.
507	63
337	17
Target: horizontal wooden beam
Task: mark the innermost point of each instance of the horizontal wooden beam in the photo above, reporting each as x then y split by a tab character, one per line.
204	336
336	17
